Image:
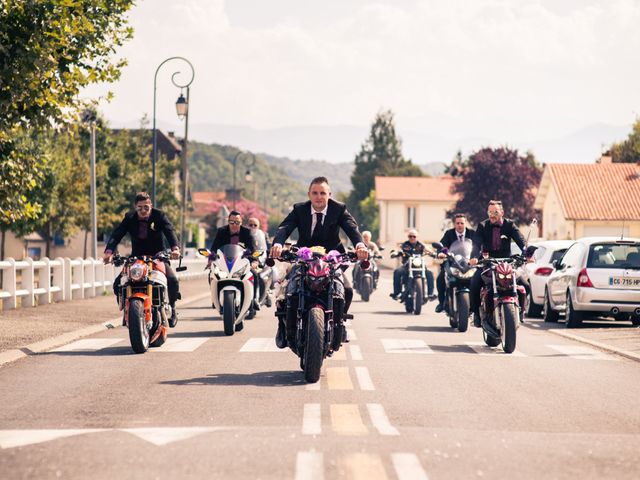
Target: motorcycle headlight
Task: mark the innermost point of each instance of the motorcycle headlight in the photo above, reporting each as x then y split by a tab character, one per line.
221	274
416	262
137	271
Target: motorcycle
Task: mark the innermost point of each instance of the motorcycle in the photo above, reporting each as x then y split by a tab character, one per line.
317	335
144	298
501	299
231	283
413	290
365	281
457	274
265	284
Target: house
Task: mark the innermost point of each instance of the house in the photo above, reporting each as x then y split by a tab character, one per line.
414	202
580	200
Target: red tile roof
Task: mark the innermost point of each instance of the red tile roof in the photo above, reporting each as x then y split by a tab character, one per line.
205	203
416	188
598	191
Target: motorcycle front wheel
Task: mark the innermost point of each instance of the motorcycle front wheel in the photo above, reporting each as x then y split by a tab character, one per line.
229	312
365	288
314	345
418	297
463	311
508	333
138	331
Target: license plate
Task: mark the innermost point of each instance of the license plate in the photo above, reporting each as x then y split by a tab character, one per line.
624	282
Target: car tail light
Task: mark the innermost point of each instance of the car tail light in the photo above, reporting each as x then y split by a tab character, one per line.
544	271
583	279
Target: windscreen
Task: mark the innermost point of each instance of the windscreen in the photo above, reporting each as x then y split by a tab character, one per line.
462	248
232	251
614	255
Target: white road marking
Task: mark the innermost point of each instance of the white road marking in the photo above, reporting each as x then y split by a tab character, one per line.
407	466
90	344
313	386
482	349
20	438
364	379
164	436
380	420
356	353
181	344
535	325
405	345
309	466
261	345
312	419
351	334
581	353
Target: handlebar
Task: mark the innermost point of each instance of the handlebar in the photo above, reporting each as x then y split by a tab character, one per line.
119	260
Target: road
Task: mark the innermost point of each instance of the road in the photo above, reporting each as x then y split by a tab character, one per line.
407	398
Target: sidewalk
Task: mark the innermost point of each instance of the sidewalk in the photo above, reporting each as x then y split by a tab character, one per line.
27	326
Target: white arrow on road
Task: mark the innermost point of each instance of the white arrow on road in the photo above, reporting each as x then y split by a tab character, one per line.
20	438
164	436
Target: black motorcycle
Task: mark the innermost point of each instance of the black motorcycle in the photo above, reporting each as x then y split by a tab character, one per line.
457	274
414	288
365	281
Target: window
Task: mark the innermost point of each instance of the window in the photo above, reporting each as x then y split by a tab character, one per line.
613	255
411	217
557	254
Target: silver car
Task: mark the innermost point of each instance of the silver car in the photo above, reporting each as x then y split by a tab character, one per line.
596	277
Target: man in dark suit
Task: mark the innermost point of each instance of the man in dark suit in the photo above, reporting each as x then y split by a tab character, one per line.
233	233
459	232
146	226
318	222
494	236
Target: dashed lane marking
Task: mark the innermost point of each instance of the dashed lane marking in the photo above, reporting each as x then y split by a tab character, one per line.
380	420
338	378
340	354
181	345
309	466
261	345
346	420
581	353
351	334
362	466
405	345
364	379
407	467
311	419
88	344
483	349
356	353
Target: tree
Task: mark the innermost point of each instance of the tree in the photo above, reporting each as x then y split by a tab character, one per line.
50	50
498	174
628	151
380	154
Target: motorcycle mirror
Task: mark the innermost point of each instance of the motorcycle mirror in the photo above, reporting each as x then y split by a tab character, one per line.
270	262
437	245
181	269
204	252
365	264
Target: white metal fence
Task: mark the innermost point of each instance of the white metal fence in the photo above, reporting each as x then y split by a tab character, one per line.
38	282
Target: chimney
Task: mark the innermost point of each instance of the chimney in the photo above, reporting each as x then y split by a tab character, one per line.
605	158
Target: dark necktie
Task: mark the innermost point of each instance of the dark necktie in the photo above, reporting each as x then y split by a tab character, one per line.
316	236
495	240
460	237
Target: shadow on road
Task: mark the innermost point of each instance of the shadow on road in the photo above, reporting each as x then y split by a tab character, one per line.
214	333
103	352
421	328
282	378
395	312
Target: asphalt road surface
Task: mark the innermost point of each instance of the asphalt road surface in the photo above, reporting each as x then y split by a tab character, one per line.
407	398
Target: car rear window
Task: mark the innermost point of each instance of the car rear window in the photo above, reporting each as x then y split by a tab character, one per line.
614	255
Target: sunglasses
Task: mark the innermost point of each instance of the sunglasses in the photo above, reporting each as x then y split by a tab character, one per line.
144	208
234	222
412	236
493	213
253	225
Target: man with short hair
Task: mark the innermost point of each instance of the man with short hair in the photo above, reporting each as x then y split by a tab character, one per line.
233	233
318	222
146	226
459	232
400	274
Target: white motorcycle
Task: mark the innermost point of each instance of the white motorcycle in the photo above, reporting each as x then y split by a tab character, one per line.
231	281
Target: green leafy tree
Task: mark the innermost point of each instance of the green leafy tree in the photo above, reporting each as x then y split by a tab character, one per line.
381	155
49	51
371	214
628	151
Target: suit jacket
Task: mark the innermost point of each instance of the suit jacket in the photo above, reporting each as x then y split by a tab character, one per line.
482	240
223	237
451	236
159	225
337	217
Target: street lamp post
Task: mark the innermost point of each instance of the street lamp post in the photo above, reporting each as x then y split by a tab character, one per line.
89	116
247	176
182	108
154	156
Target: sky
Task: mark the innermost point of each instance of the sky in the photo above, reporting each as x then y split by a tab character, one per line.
503	71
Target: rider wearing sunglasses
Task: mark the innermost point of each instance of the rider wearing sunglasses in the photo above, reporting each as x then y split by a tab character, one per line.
400	274
233	233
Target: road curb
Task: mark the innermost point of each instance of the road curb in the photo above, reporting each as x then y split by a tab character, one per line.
601	346
45	345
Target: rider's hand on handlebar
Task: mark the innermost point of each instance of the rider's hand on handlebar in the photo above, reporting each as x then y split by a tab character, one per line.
473	261
276	251
175	254
362	252
106	258
442	255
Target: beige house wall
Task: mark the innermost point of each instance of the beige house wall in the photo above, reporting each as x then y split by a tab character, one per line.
555	226
431	220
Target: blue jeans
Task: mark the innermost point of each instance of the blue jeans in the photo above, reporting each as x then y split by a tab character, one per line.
400	276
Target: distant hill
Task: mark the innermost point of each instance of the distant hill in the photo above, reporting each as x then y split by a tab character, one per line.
433	169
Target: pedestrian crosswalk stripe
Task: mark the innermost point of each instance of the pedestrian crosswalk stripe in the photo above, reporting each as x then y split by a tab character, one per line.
362	466
340	354
483	349
351	334
88	344
311	419
346	420
309	466
261	345
356	353
380	421
581	353
181	344
21	438
364	379
405	345
338	378
407	467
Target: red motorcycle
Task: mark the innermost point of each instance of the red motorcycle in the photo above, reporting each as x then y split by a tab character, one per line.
317	333
501	300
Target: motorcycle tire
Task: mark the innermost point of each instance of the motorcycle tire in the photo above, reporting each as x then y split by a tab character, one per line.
509	326
490	340
365	288
418	296
158	342
229	312
463	312
138	330
408	304
314	345
573	319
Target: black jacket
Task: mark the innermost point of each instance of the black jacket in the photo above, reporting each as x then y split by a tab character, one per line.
159	225
407	248
482	240
337	217
223	237
451	236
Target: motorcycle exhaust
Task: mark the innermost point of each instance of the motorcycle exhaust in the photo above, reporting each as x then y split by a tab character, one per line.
637	312
616	311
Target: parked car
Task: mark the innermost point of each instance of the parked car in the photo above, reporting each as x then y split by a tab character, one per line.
596	276
538	272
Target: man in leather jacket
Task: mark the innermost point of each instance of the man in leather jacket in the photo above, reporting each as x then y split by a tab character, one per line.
400	274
